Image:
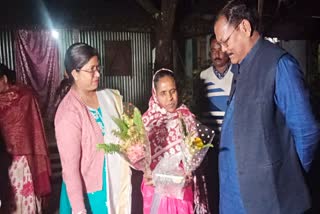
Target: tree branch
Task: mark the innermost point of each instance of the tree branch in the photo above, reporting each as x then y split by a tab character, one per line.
148	6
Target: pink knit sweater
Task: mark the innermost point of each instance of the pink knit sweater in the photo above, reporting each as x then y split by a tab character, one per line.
77	134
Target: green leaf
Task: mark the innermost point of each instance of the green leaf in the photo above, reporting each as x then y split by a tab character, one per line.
208	145
137	119
184	127
121	124
123	128
109	148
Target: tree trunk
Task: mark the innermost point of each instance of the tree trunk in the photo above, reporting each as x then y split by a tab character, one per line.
164	34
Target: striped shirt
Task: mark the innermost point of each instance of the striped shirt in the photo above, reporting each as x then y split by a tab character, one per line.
217	92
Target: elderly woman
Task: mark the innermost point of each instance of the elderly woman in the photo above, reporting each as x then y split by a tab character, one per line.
92	181
163	125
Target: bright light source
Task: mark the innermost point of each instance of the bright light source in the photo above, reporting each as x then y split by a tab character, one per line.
55	34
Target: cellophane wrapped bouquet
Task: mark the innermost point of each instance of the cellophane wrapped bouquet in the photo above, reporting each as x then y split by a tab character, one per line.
133	142
195	146
173	173
169	178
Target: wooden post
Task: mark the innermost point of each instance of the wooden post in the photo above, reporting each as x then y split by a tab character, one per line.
164	34
260	13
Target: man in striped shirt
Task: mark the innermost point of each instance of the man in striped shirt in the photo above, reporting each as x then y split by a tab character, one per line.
217	81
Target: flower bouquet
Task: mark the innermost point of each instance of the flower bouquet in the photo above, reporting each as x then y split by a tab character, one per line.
133	141
196	145
173	173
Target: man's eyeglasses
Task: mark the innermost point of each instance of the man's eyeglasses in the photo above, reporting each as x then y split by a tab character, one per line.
93	70
225	42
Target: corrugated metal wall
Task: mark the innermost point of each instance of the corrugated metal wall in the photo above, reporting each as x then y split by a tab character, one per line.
135	88
64	41
6	48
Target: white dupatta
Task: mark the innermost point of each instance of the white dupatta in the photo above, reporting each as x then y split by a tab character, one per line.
118	171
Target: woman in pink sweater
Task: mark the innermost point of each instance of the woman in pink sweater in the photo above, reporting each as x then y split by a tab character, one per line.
92	181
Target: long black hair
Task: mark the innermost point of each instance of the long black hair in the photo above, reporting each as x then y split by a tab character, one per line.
76	57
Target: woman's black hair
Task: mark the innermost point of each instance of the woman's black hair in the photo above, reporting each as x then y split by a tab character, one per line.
162	73
10	74
76	57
